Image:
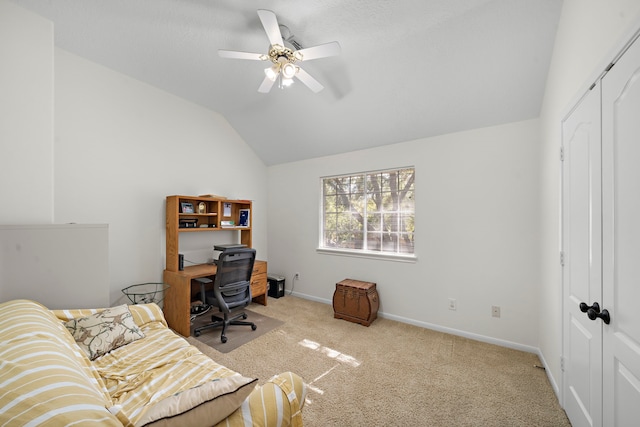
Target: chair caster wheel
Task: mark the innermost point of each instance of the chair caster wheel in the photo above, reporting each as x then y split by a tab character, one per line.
254	327
244	316
196	333
223	339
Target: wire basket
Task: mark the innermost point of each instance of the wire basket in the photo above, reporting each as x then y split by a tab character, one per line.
145	293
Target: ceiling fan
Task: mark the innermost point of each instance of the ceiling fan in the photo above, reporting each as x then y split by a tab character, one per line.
284	59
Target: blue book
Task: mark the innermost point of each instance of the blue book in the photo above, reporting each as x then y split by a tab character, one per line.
244	218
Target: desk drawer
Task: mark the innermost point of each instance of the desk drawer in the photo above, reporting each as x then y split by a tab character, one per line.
259	267
258	284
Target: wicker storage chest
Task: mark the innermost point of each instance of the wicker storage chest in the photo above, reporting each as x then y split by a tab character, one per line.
356	301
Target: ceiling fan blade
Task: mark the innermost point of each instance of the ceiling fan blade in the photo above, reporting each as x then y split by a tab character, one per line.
270	24
320	51
234	54
266	85
311	83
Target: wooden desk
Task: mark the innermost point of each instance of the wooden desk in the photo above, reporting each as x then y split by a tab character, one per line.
177	299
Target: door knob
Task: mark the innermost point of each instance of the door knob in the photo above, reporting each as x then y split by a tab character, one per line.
604	315
585	308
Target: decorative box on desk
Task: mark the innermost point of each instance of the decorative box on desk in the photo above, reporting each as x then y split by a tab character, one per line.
356	301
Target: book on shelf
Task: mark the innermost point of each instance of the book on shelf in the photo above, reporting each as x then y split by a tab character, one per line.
245	214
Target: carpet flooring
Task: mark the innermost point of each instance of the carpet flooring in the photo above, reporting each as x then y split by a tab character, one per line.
394	374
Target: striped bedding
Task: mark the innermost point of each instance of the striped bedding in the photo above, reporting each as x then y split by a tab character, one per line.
131	384
45	379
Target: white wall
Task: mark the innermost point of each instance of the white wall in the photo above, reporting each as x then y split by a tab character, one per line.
476	232
590	33
122	146
26	116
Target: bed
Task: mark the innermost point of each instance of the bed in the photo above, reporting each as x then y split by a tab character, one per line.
124	366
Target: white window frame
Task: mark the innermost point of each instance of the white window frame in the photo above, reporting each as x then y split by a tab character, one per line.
364	252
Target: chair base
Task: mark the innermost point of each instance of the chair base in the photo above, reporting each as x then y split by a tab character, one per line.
218	321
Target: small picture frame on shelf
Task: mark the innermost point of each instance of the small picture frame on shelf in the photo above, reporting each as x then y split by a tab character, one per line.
243	221
186	207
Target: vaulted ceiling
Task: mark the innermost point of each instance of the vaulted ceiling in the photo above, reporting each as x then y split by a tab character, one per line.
408	69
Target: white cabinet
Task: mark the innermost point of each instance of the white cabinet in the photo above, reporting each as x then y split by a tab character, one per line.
58	265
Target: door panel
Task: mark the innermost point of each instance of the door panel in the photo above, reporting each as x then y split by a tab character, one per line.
621	239
582	273
580	400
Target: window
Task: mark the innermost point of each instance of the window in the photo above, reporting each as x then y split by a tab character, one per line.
370	212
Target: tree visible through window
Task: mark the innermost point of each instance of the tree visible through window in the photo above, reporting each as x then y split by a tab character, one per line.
369	212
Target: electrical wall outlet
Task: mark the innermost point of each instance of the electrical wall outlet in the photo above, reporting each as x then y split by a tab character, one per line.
296	276
495	311
453	304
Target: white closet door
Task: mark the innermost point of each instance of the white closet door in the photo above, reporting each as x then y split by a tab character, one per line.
582	272
621	239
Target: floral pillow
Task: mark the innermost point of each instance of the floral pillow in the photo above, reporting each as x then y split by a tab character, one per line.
102	332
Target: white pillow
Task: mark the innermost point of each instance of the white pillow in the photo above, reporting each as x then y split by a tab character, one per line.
105	331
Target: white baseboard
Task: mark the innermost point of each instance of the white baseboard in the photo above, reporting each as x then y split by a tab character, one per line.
465	334
552	380
460	333
312	298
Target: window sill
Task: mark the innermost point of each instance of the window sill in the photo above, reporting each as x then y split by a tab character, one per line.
371	255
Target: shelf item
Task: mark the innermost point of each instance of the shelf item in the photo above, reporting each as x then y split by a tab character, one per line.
188	223
244	218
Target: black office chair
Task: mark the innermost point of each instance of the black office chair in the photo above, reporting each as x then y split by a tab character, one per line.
231	290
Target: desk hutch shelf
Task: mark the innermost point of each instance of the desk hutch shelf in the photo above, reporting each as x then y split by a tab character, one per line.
193	214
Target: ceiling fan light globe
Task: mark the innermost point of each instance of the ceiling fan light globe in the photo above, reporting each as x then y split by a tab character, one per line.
289	70
271	73
286	82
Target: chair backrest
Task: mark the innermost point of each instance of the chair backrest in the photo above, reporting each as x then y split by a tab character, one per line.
232	284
